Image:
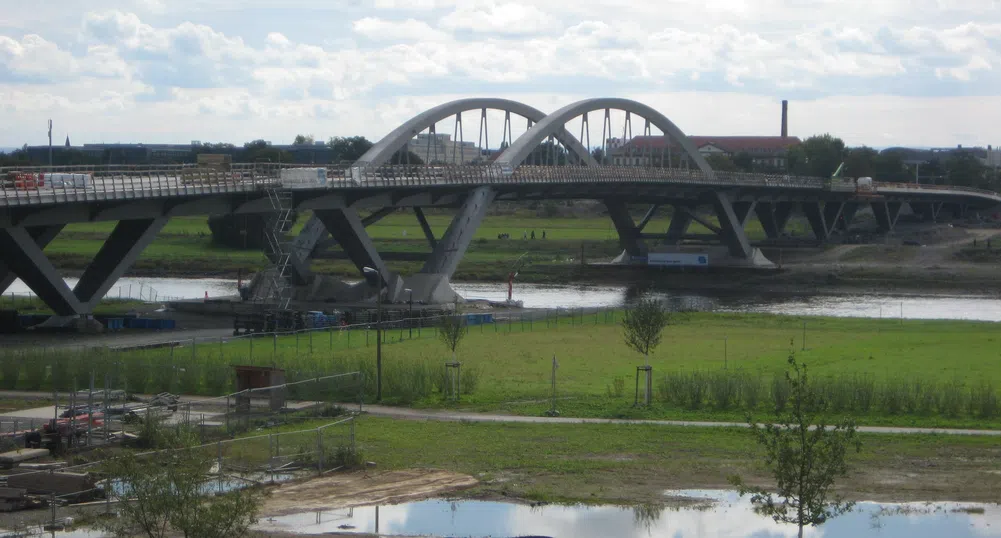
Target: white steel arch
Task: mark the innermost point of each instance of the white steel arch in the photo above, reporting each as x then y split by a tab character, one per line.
384	149
555	123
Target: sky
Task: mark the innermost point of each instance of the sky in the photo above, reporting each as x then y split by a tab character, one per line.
874	72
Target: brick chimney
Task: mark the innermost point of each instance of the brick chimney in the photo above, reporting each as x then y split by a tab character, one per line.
785	118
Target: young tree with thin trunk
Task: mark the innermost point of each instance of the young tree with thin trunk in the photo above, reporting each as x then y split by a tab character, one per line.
805	457
643	326
451	330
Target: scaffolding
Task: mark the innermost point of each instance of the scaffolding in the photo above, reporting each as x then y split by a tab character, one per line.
279	294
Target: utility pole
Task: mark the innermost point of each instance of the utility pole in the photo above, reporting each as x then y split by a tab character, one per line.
50	145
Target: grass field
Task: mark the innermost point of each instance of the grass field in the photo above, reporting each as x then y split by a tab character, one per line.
184	246
636	463
931	373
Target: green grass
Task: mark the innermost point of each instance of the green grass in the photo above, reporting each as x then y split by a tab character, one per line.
184	246
513	362
635	463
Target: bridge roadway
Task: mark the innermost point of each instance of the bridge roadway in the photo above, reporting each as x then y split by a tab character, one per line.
143	199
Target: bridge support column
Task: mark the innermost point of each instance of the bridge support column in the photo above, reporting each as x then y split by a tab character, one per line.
927	210
847	215
773	217
348	229
43	235
886	214
24	257
311	237
629	234
425	227
731	226
452	247
119	252
815	216
680	221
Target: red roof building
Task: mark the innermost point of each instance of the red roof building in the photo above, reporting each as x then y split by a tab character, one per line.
652	150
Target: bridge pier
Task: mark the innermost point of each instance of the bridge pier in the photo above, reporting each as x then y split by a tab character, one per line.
24	257
731	226
42	235
773	217
348	230
680	221
629	233
886	214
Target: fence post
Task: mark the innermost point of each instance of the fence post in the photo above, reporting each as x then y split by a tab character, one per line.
353	452
274	348
319	452
218	459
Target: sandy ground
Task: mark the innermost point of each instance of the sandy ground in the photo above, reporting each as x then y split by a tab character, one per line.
363	488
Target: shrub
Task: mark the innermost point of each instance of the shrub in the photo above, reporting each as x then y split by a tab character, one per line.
10	368
983	400
950	398
35	373
863	393
893	395
724	388
780	392
751	388
469	379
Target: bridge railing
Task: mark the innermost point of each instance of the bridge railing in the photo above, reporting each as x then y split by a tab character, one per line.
31	186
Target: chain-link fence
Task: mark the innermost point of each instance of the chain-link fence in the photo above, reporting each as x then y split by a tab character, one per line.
84	492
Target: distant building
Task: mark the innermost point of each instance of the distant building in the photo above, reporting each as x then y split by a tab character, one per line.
770	151
441	148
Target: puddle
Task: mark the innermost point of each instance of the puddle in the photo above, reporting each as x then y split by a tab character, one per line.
722	514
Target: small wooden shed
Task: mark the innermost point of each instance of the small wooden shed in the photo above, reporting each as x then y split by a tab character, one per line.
259	377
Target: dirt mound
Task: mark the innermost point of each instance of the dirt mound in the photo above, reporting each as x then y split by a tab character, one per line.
363	488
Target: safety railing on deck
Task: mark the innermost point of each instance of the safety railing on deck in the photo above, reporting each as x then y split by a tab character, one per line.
32	186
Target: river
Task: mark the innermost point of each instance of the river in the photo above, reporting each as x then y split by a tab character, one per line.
962	307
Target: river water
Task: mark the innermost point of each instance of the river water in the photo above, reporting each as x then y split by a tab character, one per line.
722	514
965	307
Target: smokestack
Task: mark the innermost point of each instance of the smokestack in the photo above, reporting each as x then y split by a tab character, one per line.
785	118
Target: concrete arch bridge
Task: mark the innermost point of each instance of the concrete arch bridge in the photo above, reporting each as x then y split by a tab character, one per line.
546	162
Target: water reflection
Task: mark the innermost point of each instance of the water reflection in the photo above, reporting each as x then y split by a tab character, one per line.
578	295
726	516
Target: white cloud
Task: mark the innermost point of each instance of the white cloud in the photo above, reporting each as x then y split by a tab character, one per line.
181	63
498	17
407	30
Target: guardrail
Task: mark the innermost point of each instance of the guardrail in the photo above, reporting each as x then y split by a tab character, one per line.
121	182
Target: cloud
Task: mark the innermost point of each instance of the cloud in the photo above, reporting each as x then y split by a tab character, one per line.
407	30
362	62
488	16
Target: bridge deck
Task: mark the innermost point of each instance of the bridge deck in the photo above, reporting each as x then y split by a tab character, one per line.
134	183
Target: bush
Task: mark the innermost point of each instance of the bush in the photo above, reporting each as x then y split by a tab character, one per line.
469	379
893	395
35	373
724	389
983	400
751	389
10	368
780	392
950	398
863	393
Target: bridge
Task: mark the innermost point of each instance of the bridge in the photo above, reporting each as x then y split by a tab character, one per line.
143	199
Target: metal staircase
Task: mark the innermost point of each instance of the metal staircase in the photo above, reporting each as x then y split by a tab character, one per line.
279	249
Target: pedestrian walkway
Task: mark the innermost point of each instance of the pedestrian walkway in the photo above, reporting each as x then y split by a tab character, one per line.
457	416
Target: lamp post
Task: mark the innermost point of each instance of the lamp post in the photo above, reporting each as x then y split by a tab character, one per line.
378	333
410	315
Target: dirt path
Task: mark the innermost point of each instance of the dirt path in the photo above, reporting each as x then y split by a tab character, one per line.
363	488
459	416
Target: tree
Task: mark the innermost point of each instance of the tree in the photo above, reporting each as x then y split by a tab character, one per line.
643	326
451	330
721	163
162	494
860	162
965	169
744	162
817	156
303	140
348	148
804	462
